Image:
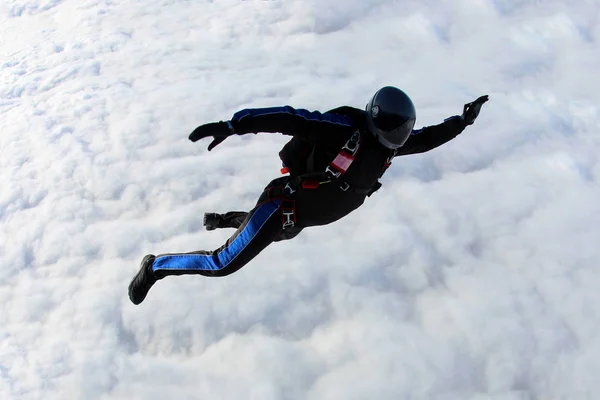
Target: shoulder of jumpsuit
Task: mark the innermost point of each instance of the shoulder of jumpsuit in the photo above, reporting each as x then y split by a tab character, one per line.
355	115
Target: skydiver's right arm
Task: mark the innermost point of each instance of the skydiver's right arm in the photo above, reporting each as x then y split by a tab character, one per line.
310	125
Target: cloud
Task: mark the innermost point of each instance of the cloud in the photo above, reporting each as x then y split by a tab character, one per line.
471	274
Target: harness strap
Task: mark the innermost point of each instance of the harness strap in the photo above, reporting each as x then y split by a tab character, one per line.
310	181
337	168
288	213
287	205
340	164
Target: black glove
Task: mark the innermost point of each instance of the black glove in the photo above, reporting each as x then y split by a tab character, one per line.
218	130
471	110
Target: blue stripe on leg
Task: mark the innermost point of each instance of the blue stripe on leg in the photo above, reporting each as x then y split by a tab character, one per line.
227	255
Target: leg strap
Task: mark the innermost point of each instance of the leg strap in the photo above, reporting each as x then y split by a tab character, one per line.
288	213
287	207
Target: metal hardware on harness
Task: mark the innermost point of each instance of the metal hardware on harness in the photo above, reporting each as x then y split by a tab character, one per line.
288	213
344	186
335	174
288	219
288	189
287	205
352	143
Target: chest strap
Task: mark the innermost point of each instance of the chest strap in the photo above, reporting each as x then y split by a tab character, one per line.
340	164
336	169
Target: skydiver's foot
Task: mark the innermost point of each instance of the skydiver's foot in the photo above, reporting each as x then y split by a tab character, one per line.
212	221
143	281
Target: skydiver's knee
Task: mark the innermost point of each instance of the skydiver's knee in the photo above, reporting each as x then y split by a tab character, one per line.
219	273
288	234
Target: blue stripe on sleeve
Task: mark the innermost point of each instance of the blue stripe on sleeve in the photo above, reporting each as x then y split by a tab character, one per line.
307	115
228	254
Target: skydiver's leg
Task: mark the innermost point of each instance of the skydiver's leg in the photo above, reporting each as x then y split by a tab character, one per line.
234	219
261	226
231	219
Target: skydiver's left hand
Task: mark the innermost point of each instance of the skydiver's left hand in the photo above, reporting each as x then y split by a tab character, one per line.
471	110
218	130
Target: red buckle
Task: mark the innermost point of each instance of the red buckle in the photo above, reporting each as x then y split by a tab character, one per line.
285	170
310	184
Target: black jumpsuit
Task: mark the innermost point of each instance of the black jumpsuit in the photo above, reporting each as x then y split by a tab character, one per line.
317	139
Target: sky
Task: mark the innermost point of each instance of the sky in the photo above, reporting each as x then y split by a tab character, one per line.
472	274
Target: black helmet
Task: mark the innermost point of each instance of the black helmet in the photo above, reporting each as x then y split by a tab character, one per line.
391	116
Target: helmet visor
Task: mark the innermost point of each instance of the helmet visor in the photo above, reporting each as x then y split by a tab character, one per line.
393	130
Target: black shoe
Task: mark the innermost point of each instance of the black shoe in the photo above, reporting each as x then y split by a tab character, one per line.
212	221
143	281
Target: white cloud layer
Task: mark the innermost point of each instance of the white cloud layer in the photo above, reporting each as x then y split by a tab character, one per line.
472	274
